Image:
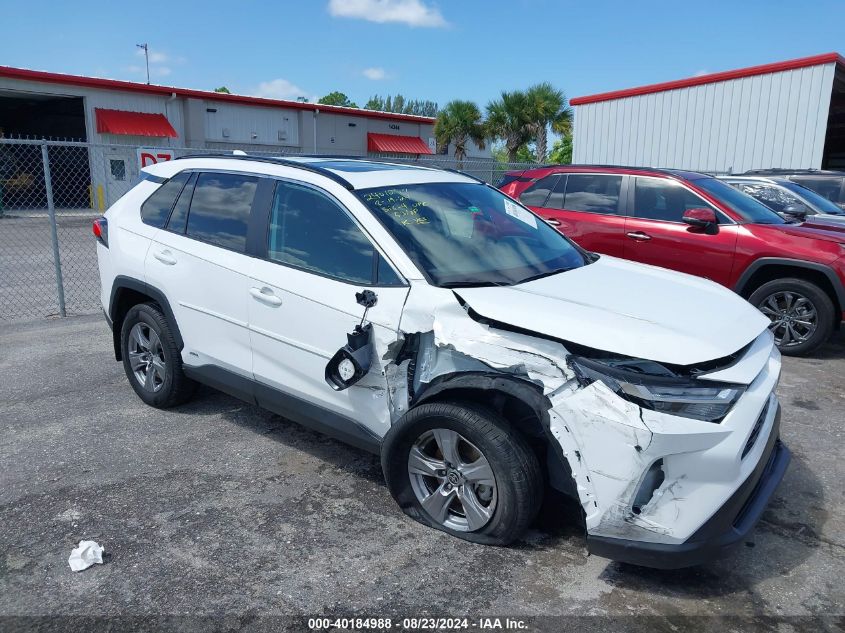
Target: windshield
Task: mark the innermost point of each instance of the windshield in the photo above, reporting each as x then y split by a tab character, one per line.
469	234
820	203
740	203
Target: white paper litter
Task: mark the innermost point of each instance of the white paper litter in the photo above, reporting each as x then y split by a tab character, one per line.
82	557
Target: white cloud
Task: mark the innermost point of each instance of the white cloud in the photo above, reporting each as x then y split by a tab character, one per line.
375	74
157	61
701	73
410	12
280	89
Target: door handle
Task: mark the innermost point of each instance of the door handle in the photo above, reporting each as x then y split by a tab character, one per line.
265	295
639	236
165	257
552	221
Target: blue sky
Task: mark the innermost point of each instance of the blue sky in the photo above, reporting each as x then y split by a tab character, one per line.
441	50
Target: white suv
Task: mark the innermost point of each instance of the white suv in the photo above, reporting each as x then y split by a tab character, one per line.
427	317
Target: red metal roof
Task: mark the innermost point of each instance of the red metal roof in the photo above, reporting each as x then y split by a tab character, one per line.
803	62
133	123
131	86
396	144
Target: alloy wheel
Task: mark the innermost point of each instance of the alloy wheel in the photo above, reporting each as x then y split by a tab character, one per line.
146	357
794	318
452	480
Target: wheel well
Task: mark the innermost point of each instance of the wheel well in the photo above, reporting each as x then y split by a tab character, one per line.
526	420
771	272
124	300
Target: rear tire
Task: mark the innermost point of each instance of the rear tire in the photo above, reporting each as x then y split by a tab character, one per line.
801	314
485	486
151	358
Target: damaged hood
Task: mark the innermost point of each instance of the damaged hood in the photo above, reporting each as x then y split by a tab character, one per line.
627	308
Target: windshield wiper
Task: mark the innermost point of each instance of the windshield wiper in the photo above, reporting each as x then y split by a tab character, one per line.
474	283
548	273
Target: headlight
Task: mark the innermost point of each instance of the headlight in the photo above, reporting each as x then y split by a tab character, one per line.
662	391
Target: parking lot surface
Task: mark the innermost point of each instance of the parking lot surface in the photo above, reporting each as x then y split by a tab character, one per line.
217	507
27	269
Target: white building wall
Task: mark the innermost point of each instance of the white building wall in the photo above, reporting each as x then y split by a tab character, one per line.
773	120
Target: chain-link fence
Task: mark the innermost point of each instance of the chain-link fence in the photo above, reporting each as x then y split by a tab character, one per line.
50	193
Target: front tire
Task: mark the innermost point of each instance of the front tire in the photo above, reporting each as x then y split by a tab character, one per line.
151	358
462	469
801	314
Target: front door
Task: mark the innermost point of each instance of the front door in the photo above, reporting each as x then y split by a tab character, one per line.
656	234
302	304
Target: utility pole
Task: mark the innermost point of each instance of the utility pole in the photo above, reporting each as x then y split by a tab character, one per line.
147	57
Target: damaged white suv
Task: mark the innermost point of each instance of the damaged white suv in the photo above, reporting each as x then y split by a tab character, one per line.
425	316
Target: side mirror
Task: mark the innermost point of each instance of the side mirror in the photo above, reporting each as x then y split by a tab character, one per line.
352	361
796	210
704	219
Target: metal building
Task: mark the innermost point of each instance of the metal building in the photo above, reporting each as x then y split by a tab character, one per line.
42	104
127	125
788	114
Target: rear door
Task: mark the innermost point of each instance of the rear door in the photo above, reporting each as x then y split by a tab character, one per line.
198	260
314	258
656	234
587	208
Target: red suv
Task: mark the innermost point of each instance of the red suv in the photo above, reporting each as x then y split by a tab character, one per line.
694	223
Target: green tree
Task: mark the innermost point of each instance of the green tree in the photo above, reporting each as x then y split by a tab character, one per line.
337	98
223	89
561	153
399	103
546	107
525	154
458	123
507	119
375	103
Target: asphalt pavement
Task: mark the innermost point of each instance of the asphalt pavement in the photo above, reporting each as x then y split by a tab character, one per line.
217	508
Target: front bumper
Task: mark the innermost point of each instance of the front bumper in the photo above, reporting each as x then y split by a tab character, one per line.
727	527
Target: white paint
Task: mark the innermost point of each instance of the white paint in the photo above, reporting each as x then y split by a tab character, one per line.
629	308
611	304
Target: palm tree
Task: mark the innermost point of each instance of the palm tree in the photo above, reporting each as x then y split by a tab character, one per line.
507	119
547	107
458	123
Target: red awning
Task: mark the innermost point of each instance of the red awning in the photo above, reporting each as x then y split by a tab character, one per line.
133	123
396	144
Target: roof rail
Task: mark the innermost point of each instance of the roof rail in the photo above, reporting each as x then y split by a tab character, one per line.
328	173
462	173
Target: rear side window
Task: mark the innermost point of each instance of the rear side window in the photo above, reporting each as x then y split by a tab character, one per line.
179	216
536	194
593	193
156	209
220	207
309	230
663	199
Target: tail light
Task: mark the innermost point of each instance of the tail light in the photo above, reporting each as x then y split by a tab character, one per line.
101	231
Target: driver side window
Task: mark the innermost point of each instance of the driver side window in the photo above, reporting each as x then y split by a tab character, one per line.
311	231
665	199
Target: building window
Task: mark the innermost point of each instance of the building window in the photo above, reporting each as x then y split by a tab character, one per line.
118	168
